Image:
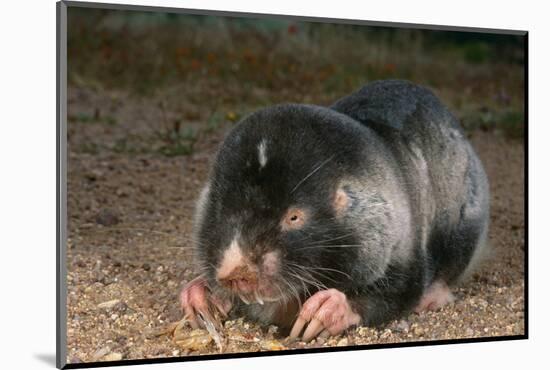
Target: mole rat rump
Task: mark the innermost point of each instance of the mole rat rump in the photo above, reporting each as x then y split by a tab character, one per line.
317	219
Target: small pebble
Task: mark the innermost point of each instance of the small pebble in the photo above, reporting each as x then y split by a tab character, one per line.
272	345
100	353
122	192
75	360
107	217
115	356
386	334
403	326
342	342
121	307
197	340
109	304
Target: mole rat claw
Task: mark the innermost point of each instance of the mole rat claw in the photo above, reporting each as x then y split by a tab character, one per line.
327	312
195	302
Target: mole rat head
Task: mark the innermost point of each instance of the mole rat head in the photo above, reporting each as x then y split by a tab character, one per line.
272	212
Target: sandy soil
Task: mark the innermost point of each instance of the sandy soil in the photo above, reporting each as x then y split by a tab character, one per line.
129	215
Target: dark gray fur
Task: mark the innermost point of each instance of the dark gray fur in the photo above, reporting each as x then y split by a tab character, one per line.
419	197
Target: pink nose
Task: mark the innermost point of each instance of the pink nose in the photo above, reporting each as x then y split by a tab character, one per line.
235	271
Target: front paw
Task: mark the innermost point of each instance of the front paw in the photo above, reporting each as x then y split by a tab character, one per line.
197	303
325	313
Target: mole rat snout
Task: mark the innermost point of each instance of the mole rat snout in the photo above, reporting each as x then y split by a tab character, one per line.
250	280
242	278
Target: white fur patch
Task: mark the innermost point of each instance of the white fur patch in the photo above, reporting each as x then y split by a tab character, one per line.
232	259
201	203
262	157
199	215
424	191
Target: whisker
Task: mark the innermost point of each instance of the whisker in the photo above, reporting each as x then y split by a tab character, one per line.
332	246
333	239
311	270
312	172
330	269
316	270
294	293
309	278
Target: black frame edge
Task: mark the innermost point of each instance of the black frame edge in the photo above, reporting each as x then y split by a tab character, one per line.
292	352
526	187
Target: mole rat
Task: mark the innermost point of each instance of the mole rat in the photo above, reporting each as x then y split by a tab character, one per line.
317	219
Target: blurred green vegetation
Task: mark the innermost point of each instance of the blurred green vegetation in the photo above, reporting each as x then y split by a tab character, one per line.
229	64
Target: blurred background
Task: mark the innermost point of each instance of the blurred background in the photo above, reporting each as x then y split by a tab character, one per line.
203	72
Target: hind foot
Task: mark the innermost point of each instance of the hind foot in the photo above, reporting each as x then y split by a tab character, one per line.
436	296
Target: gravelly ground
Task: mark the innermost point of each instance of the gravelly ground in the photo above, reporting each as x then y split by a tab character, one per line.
124	278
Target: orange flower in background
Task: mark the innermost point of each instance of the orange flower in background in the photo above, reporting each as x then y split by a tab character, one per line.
195	64
389	68
183	51
292	29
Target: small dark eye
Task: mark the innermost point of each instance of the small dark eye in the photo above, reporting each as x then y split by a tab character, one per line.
294	219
